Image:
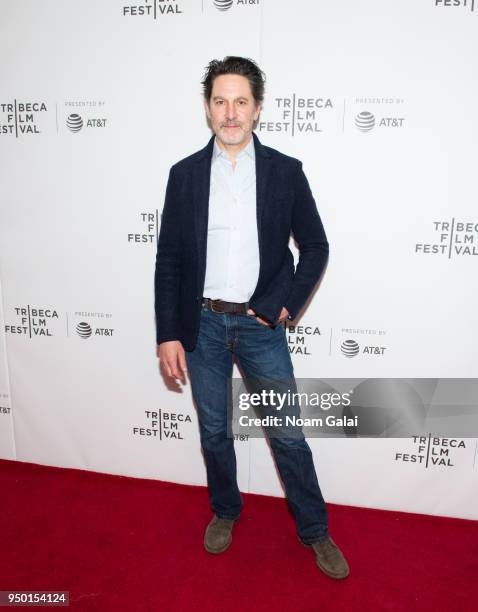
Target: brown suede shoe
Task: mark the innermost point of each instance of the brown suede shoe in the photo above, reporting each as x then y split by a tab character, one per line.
218	535
330	558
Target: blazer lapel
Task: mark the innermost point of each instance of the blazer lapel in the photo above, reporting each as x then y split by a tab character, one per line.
201	185
263	168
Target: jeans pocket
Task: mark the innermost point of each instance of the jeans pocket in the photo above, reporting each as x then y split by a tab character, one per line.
250	316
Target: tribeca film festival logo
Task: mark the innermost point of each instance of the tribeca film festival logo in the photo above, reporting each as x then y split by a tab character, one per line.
21	118
372	118
452	238
468	4
351	348
431	451
153	8
148	226
33	321
82	326
301	338
164	425
80	115
295	115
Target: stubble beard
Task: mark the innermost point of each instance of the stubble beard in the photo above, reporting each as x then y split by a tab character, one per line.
232	139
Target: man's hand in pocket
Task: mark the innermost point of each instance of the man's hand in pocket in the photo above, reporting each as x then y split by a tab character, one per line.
284	313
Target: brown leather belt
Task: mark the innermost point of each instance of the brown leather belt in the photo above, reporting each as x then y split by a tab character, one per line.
223	306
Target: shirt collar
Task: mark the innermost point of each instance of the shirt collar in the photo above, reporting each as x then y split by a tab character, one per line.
248	150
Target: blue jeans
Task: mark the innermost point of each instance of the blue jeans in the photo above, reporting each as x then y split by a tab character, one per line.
261	352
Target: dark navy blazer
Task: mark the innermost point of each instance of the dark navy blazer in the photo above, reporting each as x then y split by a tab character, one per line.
284	204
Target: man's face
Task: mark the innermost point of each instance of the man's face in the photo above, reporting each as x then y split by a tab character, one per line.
232	109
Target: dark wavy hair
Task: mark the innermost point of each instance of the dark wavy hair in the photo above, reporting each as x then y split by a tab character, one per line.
235	65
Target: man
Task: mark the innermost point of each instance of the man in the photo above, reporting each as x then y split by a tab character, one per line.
224	284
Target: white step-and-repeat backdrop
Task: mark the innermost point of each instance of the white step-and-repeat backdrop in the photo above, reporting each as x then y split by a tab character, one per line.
98	99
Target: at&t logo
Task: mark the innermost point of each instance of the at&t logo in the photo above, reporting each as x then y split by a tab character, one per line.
225	5
365	122
351	348
372	113
86	330
74	123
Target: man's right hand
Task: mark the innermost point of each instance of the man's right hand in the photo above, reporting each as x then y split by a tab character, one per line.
172	359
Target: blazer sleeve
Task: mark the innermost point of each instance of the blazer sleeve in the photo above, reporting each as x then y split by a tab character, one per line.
309	234
168	266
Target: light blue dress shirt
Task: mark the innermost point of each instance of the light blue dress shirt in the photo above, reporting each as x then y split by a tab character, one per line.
232	255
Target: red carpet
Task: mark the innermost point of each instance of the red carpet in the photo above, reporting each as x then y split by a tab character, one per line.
128	544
